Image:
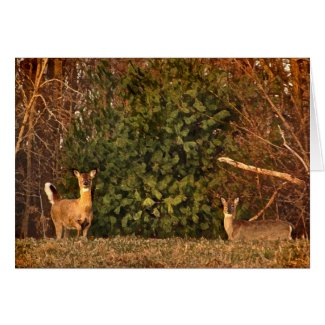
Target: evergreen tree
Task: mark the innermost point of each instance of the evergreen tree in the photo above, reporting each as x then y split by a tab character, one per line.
154	133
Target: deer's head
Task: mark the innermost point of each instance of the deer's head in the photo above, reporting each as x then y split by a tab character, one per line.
229	206
85	179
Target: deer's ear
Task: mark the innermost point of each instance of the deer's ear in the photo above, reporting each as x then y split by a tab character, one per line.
76	172
223	201
236	200
93	173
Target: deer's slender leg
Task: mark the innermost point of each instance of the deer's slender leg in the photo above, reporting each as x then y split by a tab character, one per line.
58	230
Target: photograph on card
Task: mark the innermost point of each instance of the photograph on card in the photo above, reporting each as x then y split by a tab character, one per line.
162	163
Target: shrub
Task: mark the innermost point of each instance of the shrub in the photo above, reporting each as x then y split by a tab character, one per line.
154	133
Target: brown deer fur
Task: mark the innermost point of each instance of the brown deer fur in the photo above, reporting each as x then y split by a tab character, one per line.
75	213
250	230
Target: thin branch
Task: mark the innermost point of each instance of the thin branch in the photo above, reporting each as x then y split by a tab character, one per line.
49	111
255	135
24	99
58	80
31	129
284	121
30	105
44	143
42	217
285	144
26	194
263	171
245	116
252	73
268	203
258	185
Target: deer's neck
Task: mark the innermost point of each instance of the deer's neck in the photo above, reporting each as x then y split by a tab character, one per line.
228	224
85	198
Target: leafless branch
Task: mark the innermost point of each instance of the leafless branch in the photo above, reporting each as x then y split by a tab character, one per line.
263	171
268	203
285	144
63	83
279	113
255	135
30	105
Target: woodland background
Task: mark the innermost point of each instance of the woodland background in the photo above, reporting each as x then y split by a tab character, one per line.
155	129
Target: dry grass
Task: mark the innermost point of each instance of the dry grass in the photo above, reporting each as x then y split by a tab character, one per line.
134	252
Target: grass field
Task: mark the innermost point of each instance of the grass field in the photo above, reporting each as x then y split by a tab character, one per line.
134	252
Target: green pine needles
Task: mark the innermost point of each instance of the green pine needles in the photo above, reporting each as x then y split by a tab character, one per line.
154	132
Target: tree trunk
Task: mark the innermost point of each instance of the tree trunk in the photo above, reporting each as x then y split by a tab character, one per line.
29	146
29	117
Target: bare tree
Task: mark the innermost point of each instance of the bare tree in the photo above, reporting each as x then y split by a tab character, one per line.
48	92
272	131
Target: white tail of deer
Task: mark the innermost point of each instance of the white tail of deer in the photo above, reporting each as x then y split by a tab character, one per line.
246	230
72	214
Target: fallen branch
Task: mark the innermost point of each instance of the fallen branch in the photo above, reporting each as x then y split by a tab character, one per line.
263	171
268	203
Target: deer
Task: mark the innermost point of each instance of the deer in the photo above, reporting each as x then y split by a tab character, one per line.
252	230
72	213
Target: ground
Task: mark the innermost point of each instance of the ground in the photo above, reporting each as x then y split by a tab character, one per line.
135	252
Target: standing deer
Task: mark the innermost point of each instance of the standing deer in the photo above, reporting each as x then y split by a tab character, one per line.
246	230
75	213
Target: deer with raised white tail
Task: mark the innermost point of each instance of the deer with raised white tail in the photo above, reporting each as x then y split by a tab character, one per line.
250	230
72	213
